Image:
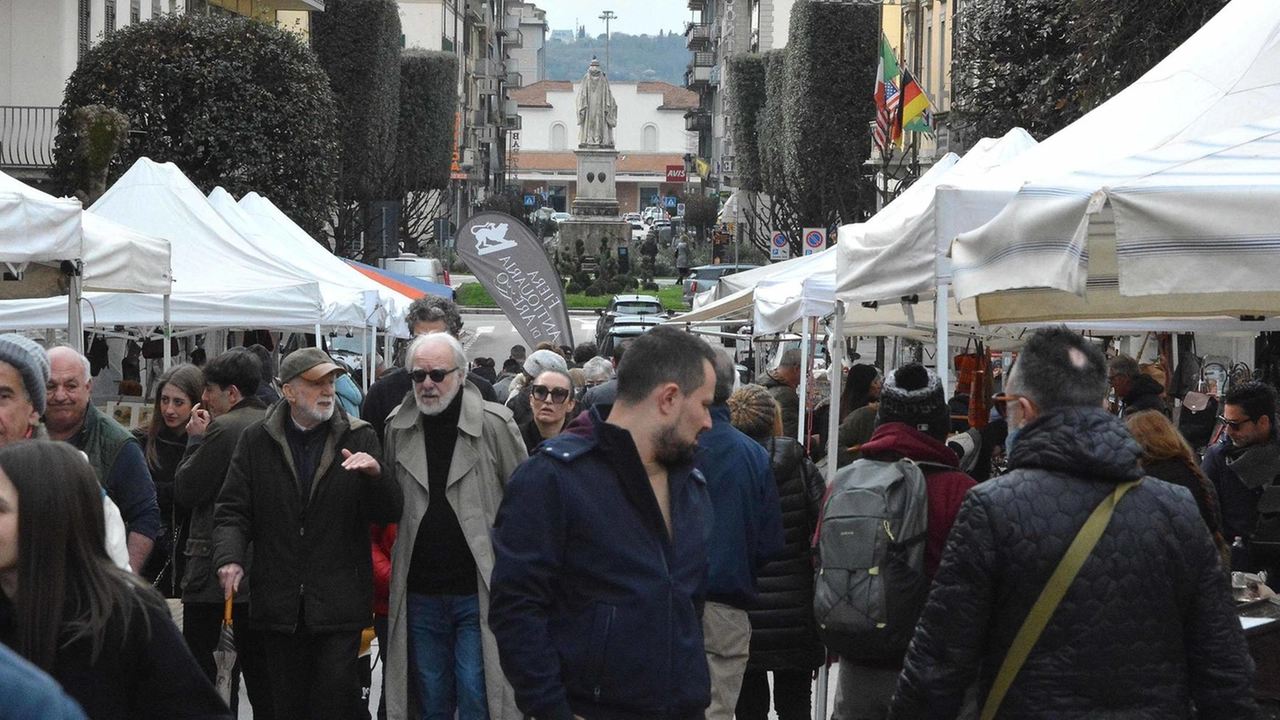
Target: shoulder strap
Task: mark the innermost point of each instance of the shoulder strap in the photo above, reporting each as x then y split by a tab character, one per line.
1051	595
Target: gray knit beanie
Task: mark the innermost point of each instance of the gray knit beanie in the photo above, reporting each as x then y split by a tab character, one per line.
913	395
31	362
543	360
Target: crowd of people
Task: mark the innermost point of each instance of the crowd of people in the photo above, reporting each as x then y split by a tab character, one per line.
616	539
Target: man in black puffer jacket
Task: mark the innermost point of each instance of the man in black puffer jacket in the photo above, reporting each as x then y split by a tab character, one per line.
1146	630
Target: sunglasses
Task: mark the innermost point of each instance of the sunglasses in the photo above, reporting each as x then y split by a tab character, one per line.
541	392
1234	424
438	375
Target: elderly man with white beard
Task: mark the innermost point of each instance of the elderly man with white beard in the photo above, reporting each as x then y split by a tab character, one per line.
452	453
305	484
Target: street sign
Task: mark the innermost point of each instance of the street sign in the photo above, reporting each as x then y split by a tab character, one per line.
530	201
669	201
680	209
815	239
676	174
656	200
779	247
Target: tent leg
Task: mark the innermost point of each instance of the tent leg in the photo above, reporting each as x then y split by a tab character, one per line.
168	333
388	345
319	342
75	324
805	367
367	345
820	702
835	346
943	340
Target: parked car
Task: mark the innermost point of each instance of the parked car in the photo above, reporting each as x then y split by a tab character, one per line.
561	217
633	217
626	328
625	306
429	269
637	230
706	277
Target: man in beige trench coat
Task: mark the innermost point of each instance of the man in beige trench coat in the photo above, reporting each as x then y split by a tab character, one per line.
452	454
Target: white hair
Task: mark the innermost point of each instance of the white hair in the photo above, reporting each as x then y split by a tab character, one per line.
84	361
598	368
434	339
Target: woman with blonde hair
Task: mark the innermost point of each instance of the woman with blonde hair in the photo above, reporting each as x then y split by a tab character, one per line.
1167	456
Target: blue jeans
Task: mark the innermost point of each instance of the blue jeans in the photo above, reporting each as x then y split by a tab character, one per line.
445	657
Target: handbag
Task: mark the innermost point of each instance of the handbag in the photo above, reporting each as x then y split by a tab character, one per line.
1051	595
965	364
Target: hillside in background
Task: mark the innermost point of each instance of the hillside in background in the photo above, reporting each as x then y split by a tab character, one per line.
632	57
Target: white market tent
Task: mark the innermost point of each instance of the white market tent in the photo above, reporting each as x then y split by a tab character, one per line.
220	280
344	305
1158	204
319	262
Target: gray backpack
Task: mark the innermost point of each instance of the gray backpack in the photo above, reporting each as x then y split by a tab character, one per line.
871	586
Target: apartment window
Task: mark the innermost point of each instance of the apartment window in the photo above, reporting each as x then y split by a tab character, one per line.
109	19
155	8
135	10
559	137
649	138
941	88
82	32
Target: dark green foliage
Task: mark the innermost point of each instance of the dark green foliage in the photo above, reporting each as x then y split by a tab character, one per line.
832	52
99	131
428	105
1041	64
700	213
232	101
631	58
747	75
769	124
358	43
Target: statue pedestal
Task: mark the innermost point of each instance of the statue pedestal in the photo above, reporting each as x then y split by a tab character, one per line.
597	183
595	208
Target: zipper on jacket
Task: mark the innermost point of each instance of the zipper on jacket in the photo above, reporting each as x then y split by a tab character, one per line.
608	625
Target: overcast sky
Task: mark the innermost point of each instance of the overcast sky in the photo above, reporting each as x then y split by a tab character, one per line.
634	17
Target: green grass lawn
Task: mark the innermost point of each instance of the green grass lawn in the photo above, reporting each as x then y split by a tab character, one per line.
474	295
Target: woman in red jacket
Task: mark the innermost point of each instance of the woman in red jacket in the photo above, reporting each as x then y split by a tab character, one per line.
382	538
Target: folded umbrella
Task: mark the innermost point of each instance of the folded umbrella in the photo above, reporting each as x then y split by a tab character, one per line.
224	657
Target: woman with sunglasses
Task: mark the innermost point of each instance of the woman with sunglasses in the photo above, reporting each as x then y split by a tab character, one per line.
101	632
552	398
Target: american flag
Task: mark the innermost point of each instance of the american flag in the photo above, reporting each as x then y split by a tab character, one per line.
886	110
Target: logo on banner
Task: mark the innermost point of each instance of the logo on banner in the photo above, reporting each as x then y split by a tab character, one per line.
815	239
779	247
491	238
676	173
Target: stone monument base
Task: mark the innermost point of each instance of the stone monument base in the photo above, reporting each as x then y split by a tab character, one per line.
597	195
590	231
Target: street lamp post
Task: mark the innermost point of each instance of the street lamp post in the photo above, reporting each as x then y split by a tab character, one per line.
606	16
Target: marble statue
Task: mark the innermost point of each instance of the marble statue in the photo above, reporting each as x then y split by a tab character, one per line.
597	112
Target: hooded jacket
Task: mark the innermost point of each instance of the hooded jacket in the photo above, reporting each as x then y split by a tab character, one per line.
1144	395
1146	628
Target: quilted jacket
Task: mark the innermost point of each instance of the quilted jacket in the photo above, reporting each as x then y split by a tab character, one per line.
1146	630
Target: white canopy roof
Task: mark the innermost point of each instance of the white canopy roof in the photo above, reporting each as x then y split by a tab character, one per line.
220	279
1179	222
310	256
1224	76
116	259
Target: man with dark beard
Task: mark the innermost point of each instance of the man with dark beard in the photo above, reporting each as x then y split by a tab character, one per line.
600	548
452	453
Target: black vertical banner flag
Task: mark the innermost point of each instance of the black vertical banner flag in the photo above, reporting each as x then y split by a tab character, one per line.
505	256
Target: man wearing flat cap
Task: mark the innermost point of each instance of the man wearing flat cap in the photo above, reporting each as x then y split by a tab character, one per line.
304	485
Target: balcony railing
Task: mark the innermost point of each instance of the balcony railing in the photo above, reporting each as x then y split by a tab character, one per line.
697	77
704	59
26	135
697	36
697	5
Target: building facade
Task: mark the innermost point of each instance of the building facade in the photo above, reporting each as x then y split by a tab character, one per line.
529	58
650	137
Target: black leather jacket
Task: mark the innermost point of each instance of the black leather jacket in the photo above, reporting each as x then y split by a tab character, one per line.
1147	628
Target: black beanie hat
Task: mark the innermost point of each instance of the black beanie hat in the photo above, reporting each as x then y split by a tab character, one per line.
913	395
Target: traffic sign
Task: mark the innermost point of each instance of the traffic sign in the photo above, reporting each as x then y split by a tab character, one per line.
815	239
530	200
655	200
680	209
779	246
669	201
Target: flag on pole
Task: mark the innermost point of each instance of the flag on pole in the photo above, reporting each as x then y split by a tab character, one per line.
886	93
913	107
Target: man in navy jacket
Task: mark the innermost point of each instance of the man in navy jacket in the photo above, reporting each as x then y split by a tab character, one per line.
747	533
601	551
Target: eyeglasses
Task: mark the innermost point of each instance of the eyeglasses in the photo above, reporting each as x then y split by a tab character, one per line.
541	392
438	375
1234	424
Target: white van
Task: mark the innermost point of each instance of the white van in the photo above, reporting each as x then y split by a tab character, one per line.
429	269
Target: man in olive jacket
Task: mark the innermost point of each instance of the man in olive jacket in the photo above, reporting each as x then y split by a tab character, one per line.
303	487
228	406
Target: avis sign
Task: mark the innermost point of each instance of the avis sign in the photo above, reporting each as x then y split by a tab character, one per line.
676	174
